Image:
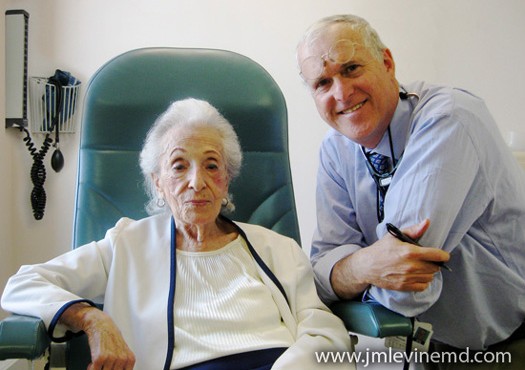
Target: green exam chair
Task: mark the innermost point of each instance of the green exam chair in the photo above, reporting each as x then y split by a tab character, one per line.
122	100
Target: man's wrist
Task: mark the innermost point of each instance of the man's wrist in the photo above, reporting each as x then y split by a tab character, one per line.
345	283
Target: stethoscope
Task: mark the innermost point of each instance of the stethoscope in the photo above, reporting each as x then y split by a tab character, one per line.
383	180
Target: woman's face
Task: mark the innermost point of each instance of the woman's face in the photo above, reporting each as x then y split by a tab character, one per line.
193	178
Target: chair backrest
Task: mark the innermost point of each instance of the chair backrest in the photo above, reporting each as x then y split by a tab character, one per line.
125	96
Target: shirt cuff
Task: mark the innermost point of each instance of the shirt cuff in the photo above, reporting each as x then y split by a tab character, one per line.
323	271
57	332
409	304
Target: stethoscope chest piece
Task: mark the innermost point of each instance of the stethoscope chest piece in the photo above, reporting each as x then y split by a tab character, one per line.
385	181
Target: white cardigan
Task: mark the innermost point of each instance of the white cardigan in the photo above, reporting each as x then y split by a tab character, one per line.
129	271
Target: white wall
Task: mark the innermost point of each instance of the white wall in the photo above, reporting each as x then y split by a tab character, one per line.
6	189
474	44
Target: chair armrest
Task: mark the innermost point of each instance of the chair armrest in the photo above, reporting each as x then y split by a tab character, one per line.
23	337
371	319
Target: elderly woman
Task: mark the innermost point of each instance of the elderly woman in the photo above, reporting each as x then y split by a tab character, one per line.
185	287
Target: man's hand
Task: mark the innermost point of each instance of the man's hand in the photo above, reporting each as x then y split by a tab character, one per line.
390	264
108	348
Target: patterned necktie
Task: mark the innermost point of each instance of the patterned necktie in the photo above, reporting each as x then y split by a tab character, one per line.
381	164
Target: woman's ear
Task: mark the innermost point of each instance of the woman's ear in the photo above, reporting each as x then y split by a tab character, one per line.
156	180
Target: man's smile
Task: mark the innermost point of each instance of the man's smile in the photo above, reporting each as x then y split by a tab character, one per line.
352	109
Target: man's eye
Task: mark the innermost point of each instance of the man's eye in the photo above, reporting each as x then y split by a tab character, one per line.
321	84
350	69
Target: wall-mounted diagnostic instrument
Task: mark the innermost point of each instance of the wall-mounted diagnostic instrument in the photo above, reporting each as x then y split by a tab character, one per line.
53	102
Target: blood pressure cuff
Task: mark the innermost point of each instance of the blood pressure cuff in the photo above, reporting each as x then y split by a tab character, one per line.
64	97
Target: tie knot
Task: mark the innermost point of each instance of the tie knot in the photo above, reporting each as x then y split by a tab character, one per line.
380	162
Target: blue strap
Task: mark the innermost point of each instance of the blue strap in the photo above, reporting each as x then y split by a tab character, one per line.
171	296
258	259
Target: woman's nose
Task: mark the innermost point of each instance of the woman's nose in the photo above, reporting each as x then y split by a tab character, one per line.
196	181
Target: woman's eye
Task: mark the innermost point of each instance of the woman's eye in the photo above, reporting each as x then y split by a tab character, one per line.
212	166
178	167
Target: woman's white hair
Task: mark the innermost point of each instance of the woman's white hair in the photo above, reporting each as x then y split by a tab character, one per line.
187	113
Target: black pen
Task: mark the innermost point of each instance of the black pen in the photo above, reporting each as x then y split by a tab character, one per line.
407	239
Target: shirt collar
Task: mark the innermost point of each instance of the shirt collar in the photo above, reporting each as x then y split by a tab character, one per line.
399	126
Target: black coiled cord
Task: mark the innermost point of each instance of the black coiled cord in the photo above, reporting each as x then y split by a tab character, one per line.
38	170
38	173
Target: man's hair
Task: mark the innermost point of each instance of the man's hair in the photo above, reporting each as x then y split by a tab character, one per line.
370	37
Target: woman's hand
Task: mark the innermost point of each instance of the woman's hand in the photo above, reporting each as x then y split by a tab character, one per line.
108	348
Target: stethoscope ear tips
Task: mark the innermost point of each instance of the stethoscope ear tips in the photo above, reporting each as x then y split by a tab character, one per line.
404	95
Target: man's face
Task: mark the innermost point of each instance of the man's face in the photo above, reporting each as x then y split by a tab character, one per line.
354	92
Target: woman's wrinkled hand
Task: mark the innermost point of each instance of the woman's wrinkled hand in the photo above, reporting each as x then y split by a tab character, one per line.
108	348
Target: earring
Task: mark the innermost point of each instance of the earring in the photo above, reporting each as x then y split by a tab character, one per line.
160	202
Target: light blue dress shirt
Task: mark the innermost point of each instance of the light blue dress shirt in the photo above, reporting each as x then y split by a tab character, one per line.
457	171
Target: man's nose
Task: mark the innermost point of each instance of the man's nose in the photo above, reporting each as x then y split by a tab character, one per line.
341	88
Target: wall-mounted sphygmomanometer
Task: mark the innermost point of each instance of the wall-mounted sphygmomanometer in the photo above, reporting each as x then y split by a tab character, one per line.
53	102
